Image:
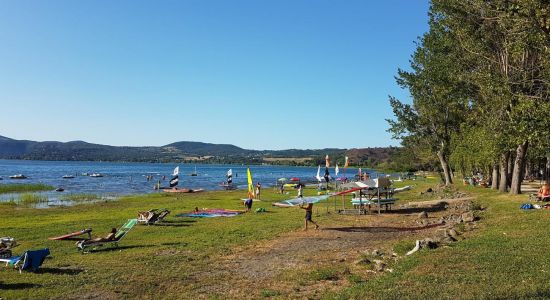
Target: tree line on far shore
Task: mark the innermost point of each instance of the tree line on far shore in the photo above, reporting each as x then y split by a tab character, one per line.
479	82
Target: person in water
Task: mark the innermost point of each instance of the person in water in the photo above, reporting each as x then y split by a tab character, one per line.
309	213
248	204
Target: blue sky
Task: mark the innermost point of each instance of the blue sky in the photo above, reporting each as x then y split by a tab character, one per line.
258	74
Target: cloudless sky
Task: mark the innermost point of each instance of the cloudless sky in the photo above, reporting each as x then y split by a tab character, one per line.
259	74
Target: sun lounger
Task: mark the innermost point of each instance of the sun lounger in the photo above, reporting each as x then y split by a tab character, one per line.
31	260
120	234
152	217
73	235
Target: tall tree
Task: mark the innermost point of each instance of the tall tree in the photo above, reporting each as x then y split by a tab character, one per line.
439	95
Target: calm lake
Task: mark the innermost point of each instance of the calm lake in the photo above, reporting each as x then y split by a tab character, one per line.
131	178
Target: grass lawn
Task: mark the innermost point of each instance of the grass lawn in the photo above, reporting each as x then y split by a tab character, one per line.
507	257
151	260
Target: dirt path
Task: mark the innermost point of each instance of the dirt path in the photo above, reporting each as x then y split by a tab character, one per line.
265	265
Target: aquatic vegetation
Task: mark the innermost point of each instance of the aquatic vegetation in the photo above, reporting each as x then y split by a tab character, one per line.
23	188
31	198
80	197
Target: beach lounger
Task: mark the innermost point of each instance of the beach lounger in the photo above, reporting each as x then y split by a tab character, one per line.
152	217
31	260
120	234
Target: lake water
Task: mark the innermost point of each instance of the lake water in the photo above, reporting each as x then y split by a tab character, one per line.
131	178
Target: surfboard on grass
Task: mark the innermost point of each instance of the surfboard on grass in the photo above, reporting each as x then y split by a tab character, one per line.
300	201
73	235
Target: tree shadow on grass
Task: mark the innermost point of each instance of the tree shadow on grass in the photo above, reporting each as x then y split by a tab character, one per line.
173	224
382	229
109	249
413	210
60	271
18	286
183	244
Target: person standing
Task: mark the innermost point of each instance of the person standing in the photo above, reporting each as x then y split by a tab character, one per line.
258	190
300	191
309	213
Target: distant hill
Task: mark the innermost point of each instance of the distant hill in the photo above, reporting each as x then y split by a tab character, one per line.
183	152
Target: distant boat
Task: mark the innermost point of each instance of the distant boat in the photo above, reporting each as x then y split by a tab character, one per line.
96	175
68	176
195	172
18	176
85	174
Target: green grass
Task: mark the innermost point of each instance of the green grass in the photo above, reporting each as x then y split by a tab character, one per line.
31	198
23	188
507	256
149	259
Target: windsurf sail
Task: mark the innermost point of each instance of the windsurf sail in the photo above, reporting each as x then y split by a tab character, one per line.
301	201
250	184
336	170
346	164
327	161
318	176
175	177
230	176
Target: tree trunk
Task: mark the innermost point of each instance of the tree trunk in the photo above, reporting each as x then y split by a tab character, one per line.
547	169
494	181
510	168
445	167
517	174
503	184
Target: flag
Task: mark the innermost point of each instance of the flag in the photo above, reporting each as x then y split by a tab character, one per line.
250	184
346	164
336	170
327	161
318	174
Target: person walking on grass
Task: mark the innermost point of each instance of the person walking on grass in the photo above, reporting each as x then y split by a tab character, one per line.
309	213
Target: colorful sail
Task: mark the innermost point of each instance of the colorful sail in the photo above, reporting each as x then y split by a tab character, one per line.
327	161
230	176
175	177
250	184
318	176
346	164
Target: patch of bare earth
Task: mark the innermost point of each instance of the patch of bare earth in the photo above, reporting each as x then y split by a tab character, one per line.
278	265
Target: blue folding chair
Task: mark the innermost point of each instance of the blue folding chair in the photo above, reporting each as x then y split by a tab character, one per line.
31	260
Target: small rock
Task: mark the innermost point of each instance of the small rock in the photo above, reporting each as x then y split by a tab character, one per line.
363	261
468	217
429	190
379	265
423	215
447	240
453	233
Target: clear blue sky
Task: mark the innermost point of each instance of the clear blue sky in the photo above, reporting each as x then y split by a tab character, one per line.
258	74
